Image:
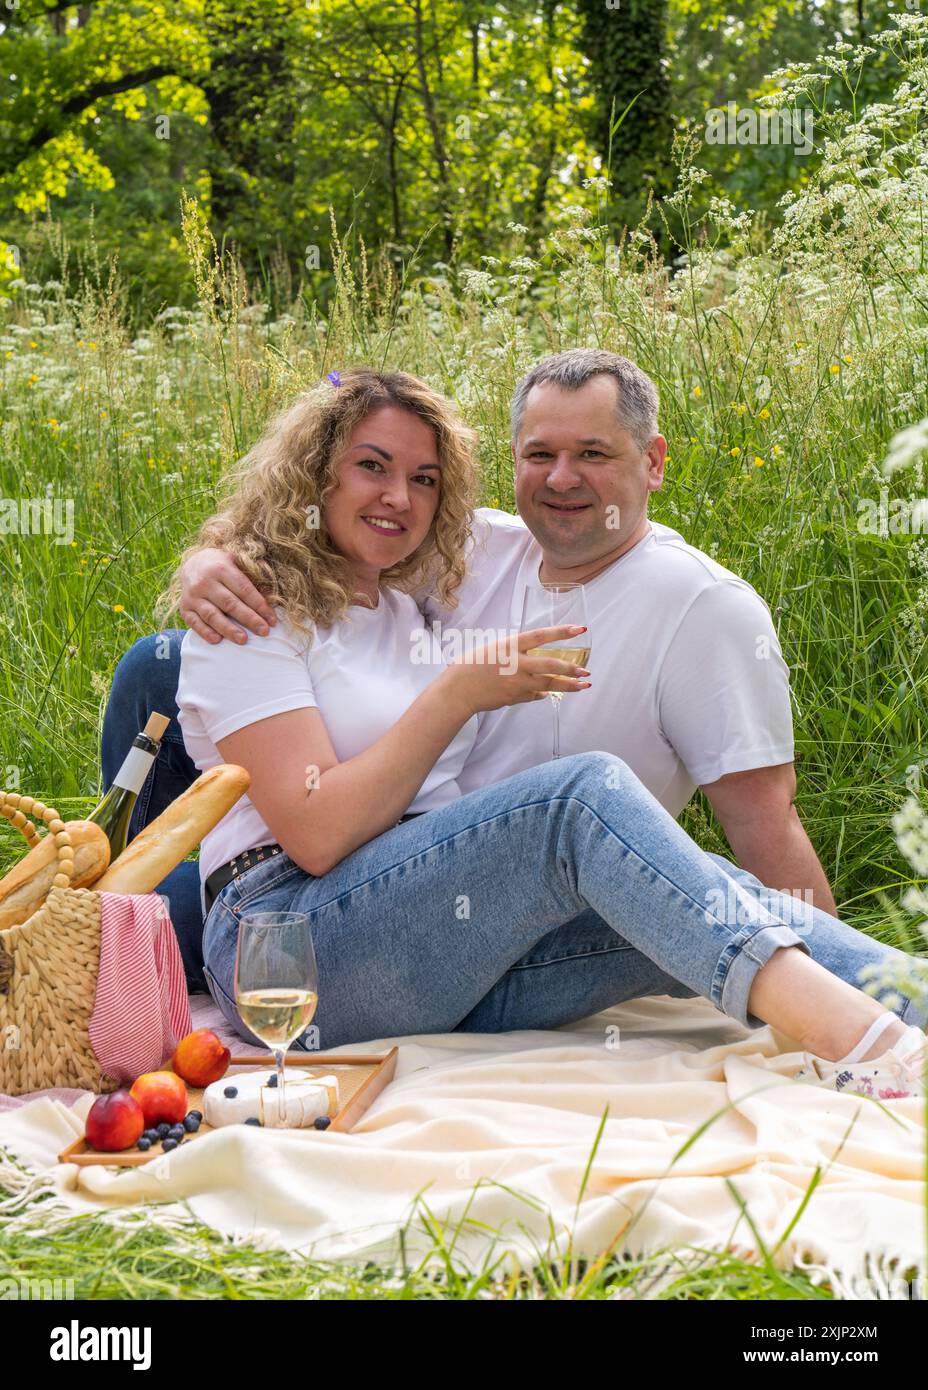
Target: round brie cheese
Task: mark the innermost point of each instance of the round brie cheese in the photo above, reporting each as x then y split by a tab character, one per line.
305	1098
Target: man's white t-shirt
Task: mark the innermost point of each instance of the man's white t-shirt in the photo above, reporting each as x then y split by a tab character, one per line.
362	674
688	680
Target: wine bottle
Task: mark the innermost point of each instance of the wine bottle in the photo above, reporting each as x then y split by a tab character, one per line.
115	810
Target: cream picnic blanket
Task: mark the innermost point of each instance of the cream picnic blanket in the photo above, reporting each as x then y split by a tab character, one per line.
485	1132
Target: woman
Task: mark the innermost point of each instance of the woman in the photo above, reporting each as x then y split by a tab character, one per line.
423	903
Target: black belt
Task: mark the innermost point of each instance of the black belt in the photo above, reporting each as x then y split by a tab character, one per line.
249	859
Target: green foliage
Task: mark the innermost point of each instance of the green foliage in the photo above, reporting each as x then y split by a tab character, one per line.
427	126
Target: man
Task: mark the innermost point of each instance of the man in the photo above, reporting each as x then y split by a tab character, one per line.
689	686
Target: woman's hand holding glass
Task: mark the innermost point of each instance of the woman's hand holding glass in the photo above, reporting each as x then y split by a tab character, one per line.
504	671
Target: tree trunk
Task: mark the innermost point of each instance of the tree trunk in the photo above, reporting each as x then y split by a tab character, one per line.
392	163
434	124
625	48
546	166
242	73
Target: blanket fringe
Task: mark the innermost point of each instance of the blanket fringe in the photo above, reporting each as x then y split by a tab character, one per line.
875	1275
23	1185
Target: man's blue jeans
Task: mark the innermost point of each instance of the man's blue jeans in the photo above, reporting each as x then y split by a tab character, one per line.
532	903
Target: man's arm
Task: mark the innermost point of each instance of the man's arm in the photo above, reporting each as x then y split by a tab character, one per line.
758	814
213	586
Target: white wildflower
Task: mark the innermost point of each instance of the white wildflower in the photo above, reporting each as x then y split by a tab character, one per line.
905	447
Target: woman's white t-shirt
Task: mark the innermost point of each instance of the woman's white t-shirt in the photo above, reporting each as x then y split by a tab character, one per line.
362	674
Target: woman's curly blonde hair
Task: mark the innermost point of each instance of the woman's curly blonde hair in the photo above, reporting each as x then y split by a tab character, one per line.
272	518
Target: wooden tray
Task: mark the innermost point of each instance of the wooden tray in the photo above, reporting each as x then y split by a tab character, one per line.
361	1078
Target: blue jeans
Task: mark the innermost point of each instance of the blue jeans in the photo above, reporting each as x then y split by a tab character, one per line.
532	903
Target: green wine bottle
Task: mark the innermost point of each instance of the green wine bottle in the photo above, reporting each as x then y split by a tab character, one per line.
115	810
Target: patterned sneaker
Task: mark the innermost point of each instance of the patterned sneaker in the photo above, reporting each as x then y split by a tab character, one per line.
895	1075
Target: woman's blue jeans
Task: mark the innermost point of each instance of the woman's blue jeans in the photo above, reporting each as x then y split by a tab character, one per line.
532	903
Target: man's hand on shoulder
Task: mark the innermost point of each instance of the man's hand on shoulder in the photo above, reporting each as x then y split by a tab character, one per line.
214	591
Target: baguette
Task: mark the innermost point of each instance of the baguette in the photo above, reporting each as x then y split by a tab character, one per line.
28	884
169	838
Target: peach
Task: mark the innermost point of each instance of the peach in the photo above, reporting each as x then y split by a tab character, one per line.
201	1058
114	1122
162	1096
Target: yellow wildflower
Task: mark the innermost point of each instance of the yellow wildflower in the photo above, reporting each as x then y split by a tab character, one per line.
834	368
763	414
735	452
118	608
758	462
847	359
697	391
777	451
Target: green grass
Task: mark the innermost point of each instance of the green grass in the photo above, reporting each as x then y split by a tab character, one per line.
142	1263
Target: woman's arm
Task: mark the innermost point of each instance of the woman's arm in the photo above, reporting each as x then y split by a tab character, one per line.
319	809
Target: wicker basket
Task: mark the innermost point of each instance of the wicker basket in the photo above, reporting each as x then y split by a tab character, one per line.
48	974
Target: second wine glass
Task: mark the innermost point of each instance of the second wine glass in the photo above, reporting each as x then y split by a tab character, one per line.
276	982
558	605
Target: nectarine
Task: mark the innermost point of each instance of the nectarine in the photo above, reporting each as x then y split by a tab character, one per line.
162	1096
114	1122
201	1058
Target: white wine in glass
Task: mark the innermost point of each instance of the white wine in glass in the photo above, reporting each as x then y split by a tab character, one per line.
276	982
558	605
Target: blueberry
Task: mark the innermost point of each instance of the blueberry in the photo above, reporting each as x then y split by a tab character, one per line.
168	1144
191	1124
163	1130
321	1122
230	1092
272	1080
195	1115
253	1120
176	1132
151	1135
144	1143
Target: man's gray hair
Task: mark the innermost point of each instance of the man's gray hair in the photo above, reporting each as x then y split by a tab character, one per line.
638	399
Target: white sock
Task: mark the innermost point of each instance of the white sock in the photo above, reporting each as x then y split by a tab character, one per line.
857	1054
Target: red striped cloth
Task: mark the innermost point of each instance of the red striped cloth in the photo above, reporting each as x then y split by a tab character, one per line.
142	1009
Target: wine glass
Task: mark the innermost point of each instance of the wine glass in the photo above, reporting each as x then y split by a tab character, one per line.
276	982
558	605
